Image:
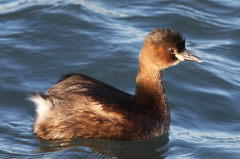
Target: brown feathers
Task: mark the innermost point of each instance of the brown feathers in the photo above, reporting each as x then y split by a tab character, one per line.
80	106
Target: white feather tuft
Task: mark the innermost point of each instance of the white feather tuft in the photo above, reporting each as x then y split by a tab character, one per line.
43	107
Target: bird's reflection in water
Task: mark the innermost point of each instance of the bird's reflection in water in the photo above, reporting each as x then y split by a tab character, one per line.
102	148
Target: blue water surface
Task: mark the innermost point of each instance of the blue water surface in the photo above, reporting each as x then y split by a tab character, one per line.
40	40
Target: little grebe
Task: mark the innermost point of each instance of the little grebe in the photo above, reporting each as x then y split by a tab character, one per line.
80	106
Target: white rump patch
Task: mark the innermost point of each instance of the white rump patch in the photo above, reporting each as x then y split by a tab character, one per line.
43	107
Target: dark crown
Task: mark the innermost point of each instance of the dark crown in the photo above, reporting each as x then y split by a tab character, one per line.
166	38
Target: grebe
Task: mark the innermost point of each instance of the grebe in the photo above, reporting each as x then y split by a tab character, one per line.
80	106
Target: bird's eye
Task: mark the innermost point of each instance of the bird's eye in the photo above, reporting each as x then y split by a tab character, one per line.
170	51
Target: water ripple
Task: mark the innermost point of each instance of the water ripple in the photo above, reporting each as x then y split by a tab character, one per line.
210	140
42	39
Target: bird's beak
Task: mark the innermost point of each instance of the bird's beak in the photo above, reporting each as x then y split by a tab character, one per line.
187	56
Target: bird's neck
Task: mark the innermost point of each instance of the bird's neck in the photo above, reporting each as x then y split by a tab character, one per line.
150	95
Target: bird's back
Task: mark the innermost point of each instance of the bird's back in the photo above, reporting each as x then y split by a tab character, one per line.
80	106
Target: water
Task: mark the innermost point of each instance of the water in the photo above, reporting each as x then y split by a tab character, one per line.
41	40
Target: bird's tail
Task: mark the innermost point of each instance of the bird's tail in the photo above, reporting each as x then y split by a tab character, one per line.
43	105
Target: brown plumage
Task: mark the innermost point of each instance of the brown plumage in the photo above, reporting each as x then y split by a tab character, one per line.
80	106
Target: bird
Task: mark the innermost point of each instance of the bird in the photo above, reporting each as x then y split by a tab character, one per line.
81	106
